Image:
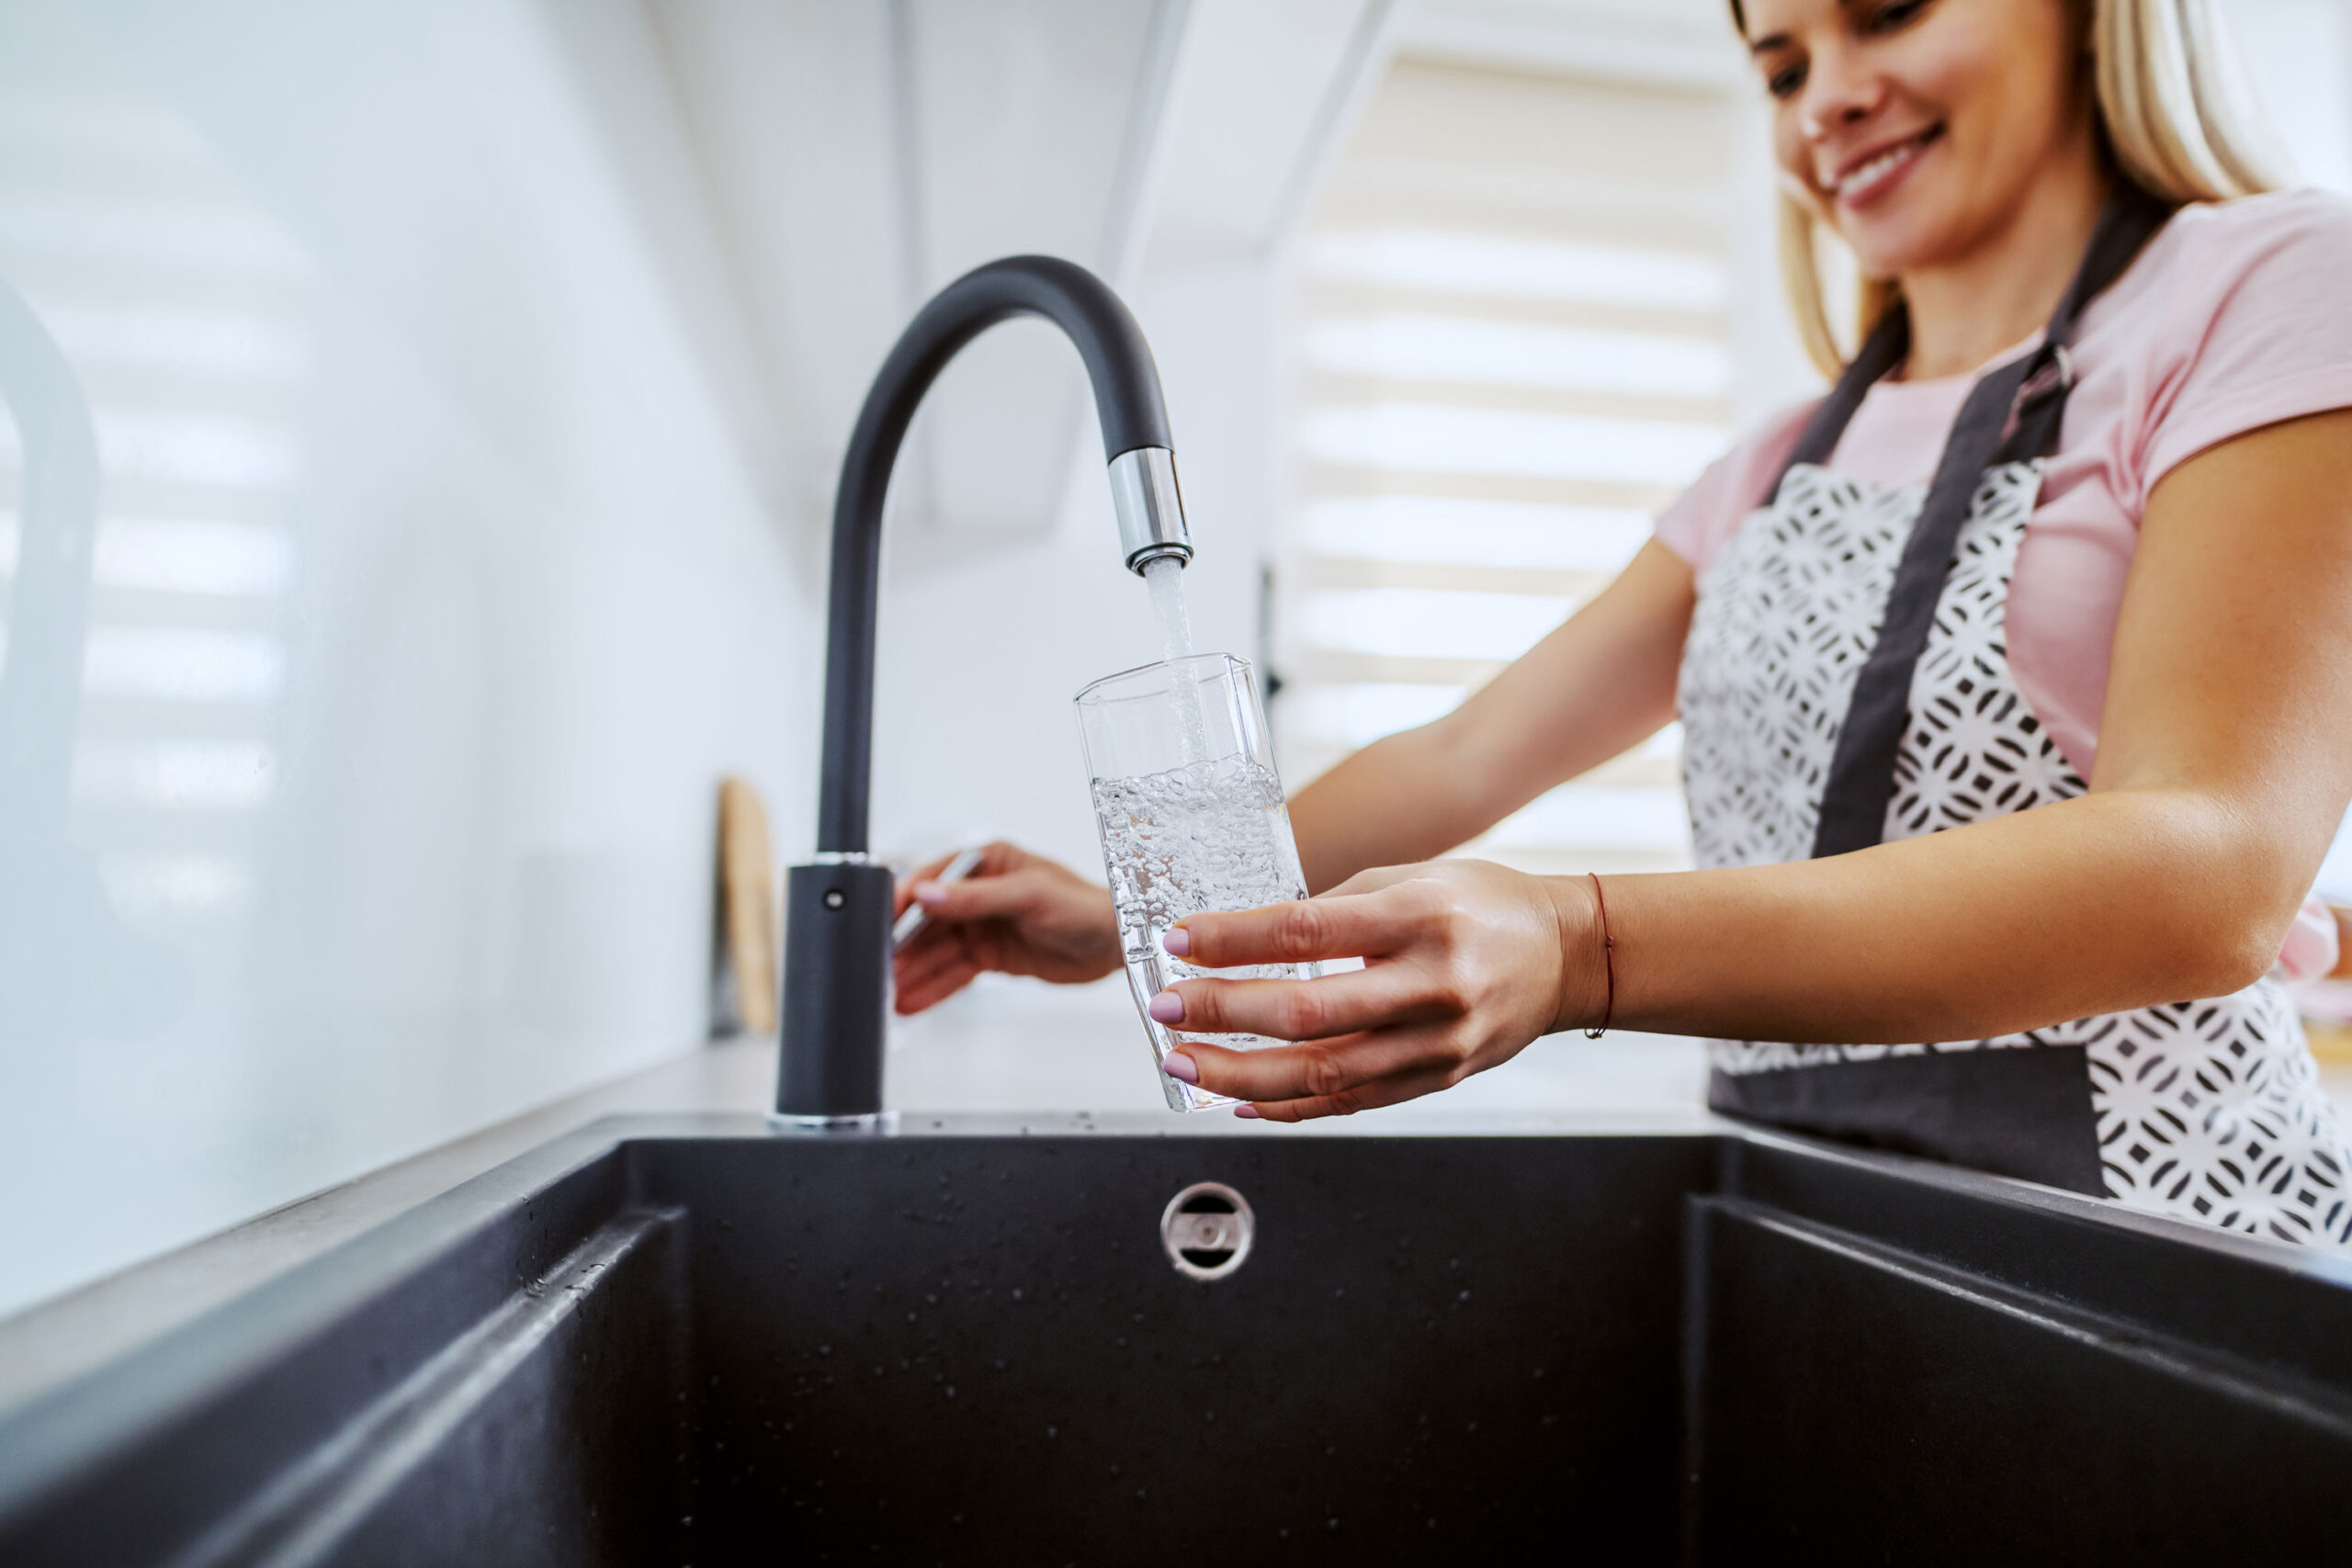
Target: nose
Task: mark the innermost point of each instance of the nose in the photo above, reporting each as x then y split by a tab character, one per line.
1840	90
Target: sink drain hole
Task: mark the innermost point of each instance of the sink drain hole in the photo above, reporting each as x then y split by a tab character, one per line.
1206	1230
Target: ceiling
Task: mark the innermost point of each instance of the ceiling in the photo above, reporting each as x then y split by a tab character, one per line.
809	171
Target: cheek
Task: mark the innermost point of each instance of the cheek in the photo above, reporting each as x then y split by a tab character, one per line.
1998	85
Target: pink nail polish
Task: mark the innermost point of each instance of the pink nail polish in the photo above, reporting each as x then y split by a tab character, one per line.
1247	1113
1181	1068
1168	1007
1178	941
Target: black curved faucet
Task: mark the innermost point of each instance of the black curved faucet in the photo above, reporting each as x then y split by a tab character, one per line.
838	909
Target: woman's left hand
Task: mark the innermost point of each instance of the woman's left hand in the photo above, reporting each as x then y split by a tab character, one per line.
1465	961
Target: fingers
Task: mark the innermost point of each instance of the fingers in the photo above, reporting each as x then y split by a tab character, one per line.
903	893
1372	879
1329	1069
1323	1068
916	972
924	957
1336	925
1391	1090
1302	1010
980	897
995	859
933	978
936	990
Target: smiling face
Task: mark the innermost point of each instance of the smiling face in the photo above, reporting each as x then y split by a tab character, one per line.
1921	127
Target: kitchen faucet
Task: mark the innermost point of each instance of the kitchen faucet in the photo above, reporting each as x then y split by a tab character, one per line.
838	907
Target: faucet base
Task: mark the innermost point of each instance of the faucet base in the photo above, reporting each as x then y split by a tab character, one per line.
836	991
871	1121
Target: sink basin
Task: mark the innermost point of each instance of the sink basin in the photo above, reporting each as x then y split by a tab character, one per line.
684	1340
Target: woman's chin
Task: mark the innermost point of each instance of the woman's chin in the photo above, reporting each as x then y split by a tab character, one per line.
1889	241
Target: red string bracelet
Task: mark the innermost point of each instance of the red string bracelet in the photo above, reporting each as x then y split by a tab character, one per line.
1608	959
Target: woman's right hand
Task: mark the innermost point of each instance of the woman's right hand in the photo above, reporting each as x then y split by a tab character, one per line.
1018	913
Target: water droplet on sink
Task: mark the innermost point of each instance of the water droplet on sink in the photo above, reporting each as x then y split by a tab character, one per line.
824	1349
1053	1431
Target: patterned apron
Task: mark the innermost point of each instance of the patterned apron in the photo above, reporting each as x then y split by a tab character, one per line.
1845	682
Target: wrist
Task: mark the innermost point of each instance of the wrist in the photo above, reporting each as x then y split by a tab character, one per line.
1585	980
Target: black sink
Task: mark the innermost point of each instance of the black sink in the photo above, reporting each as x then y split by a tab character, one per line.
682	1340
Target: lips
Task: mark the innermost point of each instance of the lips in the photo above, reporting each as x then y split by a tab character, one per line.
1860	181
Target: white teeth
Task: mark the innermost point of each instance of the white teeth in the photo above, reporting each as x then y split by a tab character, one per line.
1884	164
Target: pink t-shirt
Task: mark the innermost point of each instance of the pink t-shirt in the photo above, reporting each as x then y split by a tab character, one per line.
2234	317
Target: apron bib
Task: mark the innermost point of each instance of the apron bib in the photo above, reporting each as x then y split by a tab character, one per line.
1846	682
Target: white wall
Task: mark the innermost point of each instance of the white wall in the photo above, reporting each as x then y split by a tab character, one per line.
432	601
461	491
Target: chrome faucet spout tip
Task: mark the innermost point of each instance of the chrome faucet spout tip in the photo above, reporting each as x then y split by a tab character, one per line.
1150	508
1180	554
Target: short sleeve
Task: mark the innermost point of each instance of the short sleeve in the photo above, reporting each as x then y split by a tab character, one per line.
1696	523
2256	330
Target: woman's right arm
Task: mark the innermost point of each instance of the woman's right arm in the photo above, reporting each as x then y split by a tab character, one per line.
1601	682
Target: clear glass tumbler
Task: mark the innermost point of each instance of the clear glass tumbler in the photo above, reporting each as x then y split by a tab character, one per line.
1191	818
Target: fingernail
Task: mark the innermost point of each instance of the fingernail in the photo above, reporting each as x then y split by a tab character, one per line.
1168	1007
1181	1068
930	893
1247	1113
1178	941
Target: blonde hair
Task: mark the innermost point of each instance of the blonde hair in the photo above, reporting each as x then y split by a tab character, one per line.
2174	110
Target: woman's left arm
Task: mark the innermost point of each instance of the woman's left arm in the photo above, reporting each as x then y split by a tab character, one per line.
2224	765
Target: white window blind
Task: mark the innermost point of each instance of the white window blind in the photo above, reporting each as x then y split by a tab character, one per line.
1508	345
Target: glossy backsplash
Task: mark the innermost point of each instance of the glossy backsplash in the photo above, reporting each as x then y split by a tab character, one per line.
382	595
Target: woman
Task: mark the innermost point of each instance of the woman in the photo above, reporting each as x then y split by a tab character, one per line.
2013	676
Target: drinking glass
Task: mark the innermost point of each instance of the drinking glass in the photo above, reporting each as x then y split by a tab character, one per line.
1191	818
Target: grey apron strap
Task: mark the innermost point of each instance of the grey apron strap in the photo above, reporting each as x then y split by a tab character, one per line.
2011	415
